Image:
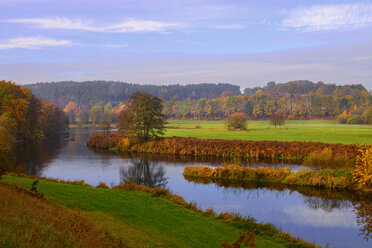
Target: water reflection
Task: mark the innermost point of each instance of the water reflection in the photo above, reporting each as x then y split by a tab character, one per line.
144	173
323	207
363	211
320	216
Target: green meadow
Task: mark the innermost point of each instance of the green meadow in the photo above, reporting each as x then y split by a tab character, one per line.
322	131
140	220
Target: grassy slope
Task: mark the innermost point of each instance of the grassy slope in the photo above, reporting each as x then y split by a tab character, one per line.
29	221
140	220
323	131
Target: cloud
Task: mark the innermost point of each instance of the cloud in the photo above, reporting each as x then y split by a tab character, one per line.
227	26
31	43
327	17
320	218
77	24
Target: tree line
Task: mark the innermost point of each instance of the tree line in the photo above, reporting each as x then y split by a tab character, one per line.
293	100
263	105
91	93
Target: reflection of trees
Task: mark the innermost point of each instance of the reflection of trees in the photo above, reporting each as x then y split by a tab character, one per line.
327	205
32	158
363	211
144	173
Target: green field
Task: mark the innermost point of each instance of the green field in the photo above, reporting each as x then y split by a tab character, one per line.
144	221
323	131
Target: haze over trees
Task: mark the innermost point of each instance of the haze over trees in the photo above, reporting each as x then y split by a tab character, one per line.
101	92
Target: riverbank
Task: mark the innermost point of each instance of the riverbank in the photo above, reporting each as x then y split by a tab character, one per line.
311	153
143	217
326	179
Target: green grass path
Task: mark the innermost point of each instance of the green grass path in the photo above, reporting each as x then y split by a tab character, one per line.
141	220
322	131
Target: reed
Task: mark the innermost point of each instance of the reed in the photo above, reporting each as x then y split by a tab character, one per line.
313	153
332	179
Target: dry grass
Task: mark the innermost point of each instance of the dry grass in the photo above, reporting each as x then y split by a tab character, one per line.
331	154
320	179
27	220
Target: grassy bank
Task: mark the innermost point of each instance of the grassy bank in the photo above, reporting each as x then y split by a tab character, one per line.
142	217
332	179
27	220
316	131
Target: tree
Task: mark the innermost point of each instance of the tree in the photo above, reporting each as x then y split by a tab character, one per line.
143	116
237	121
95	114
277	119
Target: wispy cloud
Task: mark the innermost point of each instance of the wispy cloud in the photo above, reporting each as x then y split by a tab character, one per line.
227	26
326	17
31	43
78	24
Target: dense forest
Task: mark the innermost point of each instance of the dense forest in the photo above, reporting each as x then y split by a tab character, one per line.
24	117
90	93
98	101
295	100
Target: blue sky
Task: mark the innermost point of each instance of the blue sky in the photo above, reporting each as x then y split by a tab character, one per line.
161	41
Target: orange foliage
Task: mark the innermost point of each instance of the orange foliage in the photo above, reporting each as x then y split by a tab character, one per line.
228	148
363	170
244	240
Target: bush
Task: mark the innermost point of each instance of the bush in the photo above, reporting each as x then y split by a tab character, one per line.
353	120
319	179
363	170
237	121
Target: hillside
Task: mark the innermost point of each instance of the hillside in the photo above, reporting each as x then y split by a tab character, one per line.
95	92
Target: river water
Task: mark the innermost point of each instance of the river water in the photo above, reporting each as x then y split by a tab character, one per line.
323	217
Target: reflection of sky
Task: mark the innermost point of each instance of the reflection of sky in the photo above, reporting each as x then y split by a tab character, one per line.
285	209
318	217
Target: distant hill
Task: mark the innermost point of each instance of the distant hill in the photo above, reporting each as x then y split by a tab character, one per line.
95	92
305	87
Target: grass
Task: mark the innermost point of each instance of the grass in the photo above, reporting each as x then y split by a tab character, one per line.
140	220
28	220
321	131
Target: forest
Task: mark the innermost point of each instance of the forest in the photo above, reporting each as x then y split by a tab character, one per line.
97	102
91	93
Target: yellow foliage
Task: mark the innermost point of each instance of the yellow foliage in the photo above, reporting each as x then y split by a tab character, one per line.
363	170
124	144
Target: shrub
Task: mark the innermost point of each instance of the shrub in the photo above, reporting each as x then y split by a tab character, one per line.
237	121
102	185
244	240
363	170
320	179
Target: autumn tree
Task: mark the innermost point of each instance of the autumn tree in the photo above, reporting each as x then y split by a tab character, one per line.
363	169
7	139
95	115
237	121
277	119
143	116
71	110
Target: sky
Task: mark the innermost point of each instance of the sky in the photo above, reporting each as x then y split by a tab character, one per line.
242	42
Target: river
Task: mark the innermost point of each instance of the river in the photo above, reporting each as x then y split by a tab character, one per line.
323	217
